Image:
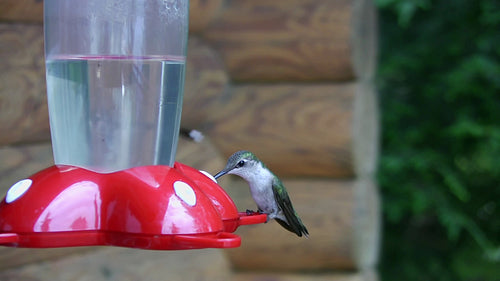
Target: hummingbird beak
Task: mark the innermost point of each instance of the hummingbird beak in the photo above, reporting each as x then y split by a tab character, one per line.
220	174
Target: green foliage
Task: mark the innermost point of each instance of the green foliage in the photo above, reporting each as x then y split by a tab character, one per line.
405	9
439	85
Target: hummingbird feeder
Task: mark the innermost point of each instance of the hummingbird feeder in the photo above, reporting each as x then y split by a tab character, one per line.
115	77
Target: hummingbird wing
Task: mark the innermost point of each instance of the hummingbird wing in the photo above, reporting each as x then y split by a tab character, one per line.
293	223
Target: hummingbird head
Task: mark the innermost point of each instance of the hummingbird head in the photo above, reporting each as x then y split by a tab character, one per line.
241	163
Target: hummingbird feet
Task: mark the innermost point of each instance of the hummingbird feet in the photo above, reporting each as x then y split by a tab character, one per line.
251	212
259	211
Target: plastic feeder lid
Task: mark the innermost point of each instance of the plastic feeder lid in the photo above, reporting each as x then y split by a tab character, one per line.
151	207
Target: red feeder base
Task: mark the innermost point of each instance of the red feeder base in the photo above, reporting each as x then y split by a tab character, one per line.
151	207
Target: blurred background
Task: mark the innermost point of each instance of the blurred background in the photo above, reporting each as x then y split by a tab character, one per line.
381	117
439	172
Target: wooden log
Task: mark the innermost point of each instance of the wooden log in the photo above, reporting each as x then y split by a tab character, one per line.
365	129
201	12
202	156
299	130
369	275
23	105
364	39
15	257
290	40
273	40
206	81
342	217
367	224
21	11
19	162
128	264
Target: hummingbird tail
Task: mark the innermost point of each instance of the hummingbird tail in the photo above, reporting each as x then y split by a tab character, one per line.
300	230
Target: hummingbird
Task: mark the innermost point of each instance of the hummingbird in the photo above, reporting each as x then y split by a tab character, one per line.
266	189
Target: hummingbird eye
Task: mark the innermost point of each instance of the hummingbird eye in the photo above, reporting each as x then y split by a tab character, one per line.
240	164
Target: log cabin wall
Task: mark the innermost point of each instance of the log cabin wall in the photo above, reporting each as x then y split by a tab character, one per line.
290	80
